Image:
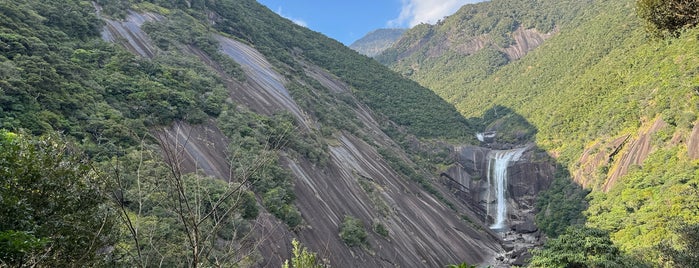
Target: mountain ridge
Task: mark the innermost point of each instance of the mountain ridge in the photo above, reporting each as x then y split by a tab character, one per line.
376	41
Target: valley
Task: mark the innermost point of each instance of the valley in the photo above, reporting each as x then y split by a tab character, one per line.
217	133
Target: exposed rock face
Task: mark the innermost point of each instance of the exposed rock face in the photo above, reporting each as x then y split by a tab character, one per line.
532	173
603	163
201	146
129	30
423	232
638	151
693	143
526	40
527	177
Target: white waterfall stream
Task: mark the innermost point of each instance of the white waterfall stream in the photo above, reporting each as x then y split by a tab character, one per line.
498	161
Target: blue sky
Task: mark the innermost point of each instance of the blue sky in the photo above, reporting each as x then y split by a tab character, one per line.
347	21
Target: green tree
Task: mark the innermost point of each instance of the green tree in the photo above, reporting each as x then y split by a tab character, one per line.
686	252
667	17
581	247
52	205
171	218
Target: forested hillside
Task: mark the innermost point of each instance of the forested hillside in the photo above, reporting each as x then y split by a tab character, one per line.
479	38
613	102
213	133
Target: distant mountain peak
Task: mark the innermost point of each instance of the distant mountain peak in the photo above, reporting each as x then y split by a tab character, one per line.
376	41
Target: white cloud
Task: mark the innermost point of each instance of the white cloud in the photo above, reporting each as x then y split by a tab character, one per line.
299	22
414	12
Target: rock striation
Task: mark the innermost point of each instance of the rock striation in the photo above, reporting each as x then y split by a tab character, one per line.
358	181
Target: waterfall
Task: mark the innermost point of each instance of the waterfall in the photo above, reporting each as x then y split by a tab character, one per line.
480	137
498	161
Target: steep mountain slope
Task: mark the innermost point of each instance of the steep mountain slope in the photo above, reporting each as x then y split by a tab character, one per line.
377	41
164	96
617	108
487	34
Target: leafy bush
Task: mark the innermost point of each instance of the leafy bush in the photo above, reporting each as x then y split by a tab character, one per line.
561	205
20	247
380	229
352	232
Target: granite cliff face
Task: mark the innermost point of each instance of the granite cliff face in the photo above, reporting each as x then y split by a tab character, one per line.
357	181
472	177
524	41
603	163
527	176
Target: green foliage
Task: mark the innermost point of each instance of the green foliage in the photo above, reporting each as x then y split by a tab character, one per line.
180	28
302	257
52	206
461	265
352	232
170	209
334	110
489	22
58	75
510	127
594	79
18	248
561	205
249	205
685	252
640	211
581	247
597	79
668	17
380	229
254	144
402	101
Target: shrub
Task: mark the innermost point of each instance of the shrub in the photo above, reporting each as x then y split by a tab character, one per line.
380	229
352	232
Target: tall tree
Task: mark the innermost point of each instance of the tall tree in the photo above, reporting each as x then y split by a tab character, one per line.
52	205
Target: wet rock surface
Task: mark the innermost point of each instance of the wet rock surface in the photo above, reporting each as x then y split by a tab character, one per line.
528	175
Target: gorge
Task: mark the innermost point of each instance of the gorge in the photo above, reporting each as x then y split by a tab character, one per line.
217	133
